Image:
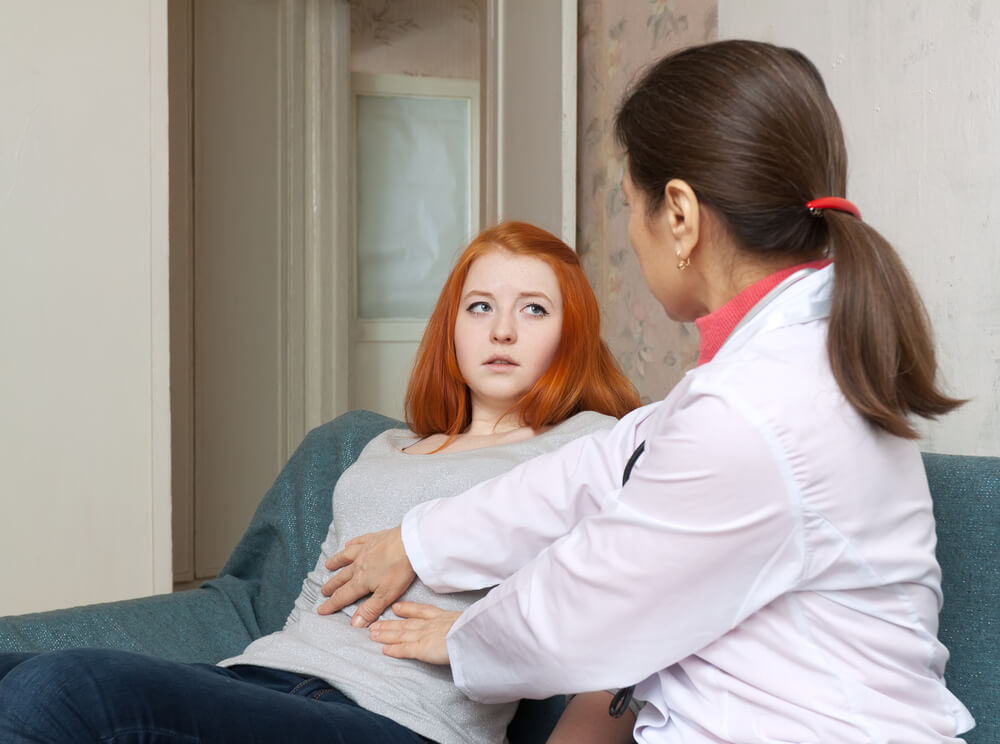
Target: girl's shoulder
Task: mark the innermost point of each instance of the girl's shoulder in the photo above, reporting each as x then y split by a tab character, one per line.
586	422
389	442
577	425
393	442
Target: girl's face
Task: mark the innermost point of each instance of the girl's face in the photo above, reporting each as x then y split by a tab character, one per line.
508	328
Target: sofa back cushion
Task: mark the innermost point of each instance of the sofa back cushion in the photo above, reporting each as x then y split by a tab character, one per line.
264	572
966	492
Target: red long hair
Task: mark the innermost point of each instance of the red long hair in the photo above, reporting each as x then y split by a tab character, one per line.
583	375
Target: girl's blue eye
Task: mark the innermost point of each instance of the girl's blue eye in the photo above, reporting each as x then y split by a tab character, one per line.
479	307
535	309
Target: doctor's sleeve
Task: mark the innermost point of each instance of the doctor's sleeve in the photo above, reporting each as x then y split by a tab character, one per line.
705	532
480	537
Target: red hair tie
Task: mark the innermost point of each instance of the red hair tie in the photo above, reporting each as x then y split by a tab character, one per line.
833	202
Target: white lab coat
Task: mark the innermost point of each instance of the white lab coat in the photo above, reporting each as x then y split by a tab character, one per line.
766	575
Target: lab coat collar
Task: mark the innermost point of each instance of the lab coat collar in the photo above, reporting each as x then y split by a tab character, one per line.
804	296
716	327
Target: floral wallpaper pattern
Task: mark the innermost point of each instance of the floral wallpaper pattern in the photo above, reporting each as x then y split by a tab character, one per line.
436	38
616	41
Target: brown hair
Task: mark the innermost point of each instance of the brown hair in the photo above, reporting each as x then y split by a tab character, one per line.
749	126
582	376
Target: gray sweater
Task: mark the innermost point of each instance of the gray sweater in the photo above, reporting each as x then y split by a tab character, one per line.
374	494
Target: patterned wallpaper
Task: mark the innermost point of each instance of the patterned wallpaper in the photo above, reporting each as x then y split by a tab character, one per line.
616	41
434	38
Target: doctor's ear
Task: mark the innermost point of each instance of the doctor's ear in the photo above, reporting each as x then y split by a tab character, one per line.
682	212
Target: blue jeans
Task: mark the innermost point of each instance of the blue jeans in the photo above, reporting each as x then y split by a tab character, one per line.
114	697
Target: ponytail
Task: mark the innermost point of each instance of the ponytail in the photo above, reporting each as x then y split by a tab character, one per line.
751	128
879	340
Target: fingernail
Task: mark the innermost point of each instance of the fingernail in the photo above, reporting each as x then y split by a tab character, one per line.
357	621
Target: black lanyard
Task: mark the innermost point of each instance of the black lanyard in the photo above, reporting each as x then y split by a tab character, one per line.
622	698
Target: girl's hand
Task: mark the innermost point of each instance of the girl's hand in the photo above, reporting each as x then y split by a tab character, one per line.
421	635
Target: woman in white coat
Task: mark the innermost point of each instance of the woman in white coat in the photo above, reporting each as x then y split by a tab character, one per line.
767	573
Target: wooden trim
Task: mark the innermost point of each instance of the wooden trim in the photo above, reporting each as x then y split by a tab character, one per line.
569	102
314	213
180	83
291	28
159	278
534	112
488	100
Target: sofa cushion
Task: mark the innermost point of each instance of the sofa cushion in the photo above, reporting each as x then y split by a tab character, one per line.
966	492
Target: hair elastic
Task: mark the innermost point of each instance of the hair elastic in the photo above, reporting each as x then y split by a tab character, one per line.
835	203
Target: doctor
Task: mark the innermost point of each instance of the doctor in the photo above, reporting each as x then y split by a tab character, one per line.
767	573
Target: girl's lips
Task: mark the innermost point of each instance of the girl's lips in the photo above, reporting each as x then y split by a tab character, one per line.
501	362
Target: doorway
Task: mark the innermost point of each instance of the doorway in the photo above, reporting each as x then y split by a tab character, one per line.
263	286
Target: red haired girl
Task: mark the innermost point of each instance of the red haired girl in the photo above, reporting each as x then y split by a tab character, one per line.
582	376
511	366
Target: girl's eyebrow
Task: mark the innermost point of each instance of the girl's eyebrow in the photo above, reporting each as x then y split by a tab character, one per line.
542	295
476	293
520	295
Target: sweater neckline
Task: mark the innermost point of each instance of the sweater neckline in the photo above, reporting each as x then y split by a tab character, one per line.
399	439
717	326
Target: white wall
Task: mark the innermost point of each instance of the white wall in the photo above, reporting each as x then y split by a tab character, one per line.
84	410
915	83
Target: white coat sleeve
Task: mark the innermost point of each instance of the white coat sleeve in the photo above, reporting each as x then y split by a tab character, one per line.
482	536
705	532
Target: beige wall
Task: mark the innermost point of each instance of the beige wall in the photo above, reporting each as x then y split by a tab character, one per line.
616	41
84	422
916	87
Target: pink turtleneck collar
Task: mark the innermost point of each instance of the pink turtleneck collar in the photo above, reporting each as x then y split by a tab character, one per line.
716	326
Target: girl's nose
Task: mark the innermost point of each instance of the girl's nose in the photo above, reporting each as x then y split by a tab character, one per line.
503	331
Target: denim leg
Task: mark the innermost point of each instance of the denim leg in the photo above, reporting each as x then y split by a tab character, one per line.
10	659
115	697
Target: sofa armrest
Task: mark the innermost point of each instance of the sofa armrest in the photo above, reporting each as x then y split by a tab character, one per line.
201	625
255	590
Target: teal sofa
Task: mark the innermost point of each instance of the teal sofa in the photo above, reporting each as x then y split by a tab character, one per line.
257	586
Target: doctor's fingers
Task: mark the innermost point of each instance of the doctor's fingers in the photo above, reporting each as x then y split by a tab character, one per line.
413	638
397	631
347	556
342	590
338	580
382	596
420	610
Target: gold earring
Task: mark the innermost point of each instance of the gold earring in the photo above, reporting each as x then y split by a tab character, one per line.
682	263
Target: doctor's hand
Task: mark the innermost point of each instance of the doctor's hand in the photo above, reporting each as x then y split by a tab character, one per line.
421	635
374	564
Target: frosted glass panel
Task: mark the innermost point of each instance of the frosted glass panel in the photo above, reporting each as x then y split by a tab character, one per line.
414	203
